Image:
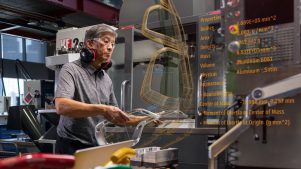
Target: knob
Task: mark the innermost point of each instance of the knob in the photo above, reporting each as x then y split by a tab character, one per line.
234	29
257	94
234	46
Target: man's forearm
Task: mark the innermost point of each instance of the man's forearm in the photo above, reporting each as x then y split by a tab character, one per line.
72	108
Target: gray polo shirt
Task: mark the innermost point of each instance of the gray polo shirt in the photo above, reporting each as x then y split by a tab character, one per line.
82	82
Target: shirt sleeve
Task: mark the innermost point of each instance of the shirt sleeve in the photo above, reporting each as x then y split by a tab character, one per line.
65	86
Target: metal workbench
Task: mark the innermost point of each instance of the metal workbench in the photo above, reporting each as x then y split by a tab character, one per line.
192	142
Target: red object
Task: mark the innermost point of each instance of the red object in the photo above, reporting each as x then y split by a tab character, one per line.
237	13
69	43
101	11
91	7
38	161
217	12
128	27
234	29
28	98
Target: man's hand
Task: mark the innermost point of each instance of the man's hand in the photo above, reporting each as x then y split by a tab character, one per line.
116	116
156	123
135	120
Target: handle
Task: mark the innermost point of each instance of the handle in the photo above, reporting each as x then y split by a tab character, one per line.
122	94
200	93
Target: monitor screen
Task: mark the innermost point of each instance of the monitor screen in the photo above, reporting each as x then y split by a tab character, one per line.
268	12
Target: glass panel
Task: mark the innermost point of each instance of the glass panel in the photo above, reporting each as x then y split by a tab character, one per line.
12	47
168	79
11	88
166	72
169	32
35	51
166	21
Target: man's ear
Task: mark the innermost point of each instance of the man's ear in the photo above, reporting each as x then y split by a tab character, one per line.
90	44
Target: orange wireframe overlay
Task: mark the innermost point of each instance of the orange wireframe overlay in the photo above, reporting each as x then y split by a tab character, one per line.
173	44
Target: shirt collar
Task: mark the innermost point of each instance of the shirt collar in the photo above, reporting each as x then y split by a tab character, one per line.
91	69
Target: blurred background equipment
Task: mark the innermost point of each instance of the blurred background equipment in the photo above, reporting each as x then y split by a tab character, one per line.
24	118
42	92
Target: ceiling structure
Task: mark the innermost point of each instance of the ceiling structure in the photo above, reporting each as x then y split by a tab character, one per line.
41	19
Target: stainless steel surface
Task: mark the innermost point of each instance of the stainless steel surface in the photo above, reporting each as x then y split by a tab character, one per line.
191	142
283	88
228	138
55	62
143	49
158	130
155	157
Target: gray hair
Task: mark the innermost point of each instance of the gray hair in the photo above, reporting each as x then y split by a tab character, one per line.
98	31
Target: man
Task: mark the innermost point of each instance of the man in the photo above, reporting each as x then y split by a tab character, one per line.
85	96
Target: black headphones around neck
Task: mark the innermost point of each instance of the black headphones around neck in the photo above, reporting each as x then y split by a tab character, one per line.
87	55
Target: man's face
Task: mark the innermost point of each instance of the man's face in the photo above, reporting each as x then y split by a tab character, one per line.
103	47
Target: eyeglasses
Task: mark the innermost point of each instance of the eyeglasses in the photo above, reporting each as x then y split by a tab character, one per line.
175	47
105	42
